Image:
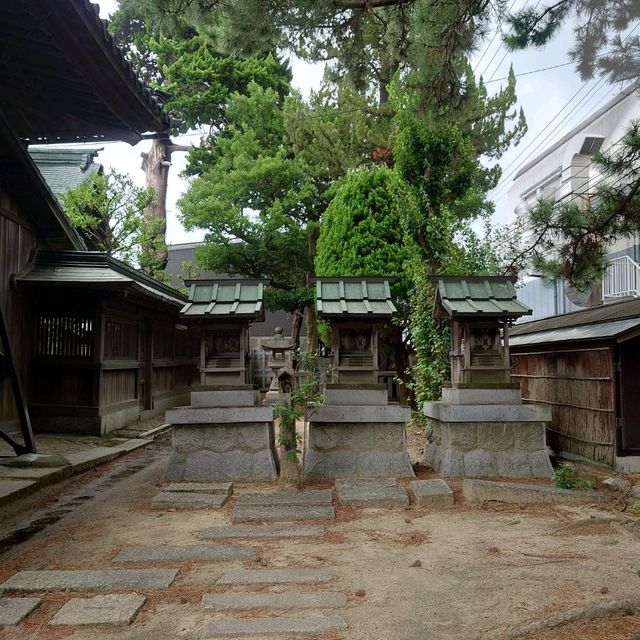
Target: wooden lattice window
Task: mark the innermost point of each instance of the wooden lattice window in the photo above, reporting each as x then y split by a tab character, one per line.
120	339
65	336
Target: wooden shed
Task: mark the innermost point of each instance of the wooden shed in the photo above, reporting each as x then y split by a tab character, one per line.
586	366
108	343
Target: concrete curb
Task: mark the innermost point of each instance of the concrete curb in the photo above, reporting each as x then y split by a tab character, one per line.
78	462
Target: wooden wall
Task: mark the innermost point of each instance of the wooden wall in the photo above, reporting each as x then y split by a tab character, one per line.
579	385
17	240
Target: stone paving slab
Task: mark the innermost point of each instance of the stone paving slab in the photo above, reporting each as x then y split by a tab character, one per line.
225	488
27	473
186	553
97	580
312	497
262	531
12	489
110	609
279	627
186	500
511	492
226	602
275	576
371	494
282	513
432	493
14	610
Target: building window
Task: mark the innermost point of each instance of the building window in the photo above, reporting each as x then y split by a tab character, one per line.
65	336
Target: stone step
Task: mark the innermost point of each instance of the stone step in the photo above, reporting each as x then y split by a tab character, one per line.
117	609
187	500
314	497
186	553
275	576
282	513
432	493
226	602
252	531
225	488
95	580
371	493
278	627
14	610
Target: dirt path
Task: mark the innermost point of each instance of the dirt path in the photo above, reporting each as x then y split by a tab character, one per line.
479	569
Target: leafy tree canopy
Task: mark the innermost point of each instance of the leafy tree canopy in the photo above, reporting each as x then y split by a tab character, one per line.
108	210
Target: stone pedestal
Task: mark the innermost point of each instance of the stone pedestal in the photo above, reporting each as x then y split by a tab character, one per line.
222	436
487	433
357	434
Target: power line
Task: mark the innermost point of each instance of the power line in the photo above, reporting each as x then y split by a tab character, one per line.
528	73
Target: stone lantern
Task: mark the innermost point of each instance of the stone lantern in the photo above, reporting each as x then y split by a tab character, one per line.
480	427
282	380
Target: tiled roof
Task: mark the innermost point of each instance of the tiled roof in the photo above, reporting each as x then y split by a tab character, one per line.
65	169
220	299
591	320
493	296
354	297
93	269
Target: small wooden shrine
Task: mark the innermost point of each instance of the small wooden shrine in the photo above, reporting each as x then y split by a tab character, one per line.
481	309
224	309
355	308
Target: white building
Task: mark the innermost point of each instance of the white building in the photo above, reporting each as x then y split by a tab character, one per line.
565	171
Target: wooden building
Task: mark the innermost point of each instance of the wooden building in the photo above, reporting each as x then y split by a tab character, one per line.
586	366
108	344
97	348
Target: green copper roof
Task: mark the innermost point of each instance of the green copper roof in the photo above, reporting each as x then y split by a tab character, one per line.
220	299
93	269
493	296
354	297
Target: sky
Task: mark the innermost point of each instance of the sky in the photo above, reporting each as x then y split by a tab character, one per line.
554	100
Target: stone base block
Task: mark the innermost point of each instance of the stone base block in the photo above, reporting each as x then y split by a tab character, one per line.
488	449
231	397
356	450
481	396
354	394
222	452
432	493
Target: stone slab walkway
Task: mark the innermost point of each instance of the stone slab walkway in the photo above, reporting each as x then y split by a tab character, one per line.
96	580
186	553
511	492
282	513
225	488
275	576
225	602
187	500
278	627
110	609
304	498
14	610
371	493
252	531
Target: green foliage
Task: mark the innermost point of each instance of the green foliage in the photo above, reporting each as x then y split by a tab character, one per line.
199	80
108	210
564	478
306	395
635	510
361	232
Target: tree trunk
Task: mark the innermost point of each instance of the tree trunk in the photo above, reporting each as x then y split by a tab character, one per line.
296	326
156	164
